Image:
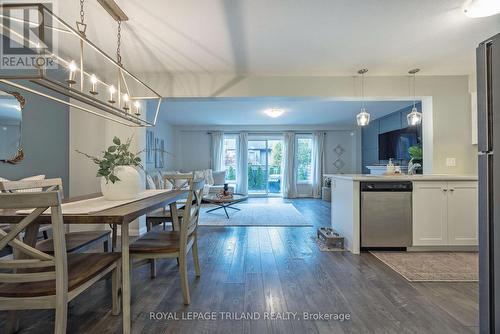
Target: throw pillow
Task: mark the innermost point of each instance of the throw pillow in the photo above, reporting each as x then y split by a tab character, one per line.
219	177
209	178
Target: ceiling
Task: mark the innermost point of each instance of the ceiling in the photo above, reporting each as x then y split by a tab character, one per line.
250	111
284	37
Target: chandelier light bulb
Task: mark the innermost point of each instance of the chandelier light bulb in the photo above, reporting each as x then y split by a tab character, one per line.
112	91
93	80
125	102
414	117
72	72
137	106
363	118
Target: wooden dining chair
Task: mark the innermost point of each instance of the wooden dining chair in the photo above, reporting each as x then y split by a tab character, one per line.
32	279
164	215
159	244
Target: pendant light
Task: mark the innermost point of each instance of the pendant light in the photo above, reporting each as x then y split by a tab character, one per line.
414	117
363	118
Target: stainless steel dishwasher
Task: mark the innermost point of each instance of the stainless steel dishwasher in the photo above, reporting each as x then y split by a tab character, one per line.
386	214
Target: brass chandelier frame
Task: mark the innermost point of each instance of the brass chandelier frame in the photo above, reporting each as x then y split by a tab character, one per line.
107	109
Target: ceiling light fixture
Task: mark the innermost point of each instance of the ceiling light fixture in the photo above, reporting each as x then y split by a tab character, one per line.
114	82
363	118
481	8
274	112
414	117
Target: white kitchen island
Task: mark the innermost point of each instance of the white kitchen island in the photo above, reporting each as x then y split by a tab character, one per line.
444	209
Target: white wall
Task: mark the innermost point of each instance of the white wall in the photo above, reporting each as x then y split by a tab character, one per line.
451	121
92	135
193	147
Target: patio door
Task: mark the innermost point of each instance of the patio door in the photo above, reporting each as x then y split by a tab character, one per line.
264	166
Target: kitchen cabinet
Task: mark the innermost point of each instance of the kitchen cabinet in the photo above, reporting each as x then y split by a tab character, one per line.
445	213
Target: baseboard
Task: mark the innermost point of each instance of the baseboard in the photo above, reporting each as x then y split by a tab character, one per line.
442	249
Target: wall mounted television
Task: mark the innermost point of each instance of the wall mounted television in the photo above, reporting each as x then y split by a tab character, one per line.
395	144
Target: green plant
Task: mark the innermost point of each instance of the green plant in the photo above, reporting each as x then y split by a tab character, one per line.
415	152
116	155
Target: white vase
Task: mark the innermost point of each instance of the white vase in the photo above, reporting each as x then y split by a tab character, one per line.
128	187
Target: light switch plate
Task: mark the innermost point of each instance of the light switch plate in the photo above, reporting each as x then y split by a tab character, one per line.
451	162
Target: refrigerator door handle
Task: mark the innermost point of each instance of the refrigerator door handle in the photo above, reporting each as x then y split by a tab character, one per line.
483	117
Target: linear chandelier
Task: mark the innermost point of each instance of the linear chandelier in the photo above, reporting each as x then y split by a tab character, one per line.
82	75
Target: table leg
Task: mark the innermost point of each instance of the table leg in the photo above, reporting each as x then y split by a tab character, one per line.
216	208
125	278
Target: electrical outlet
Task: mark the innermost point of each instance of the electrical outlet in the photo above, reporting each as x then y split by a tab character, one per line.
451	162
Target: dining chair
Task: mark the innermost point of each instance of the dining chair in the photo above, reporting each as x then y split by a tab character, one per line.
159	244
163	215
32	279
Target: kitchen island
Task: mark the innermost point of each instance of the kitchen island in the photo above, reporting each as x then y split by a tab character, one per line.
443	209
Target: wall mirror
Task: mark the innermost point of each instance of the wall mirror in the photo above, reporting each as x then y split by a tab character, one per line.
11	127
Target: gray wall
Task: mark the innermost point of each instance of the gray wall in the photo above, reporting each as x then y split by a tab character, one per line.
369	135
45	140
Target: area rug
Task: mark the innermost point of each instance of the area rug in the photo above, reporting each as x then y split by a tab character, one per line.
265	214
433	266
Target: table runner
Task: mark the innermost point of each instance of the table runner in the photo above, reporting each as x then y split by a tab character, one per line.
89	206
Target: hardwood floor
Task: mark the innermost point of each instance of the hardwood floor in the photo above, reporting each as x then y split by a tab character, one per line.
276	269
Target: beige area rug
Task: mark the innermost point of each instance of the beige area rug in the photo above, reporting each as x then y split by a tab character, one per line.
265	214
433	266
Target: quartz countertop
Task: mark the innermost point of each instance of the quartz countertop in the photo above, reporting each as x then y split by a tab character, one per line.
403	177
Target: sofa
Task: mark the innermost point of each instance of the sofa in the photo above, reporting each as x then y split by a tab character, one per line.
214	181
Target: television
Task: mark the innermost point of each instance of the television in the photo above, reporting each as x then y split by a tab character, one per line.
395	144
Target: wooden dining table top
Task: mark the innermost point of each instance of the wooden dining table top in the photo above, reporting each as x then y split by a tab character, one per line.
115	215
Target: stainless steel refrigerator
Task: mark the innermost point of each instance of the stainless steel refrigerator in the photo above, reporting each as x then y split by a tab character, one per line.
488	95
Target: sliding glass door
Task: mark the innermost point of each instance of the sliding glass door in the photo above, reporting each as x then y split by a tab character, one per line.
264	166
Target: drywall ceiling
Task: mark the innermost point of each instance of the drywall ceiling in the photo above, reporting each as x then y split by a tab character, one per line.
289	37
251	111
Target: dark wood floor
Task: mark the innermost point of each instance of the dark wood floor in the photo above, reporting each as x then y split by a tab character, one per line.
276	269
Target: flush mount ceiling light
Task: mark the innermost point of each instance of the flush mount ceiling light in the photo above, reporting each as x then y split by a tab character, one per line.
481	8
80	74
274	112
363	118
414	117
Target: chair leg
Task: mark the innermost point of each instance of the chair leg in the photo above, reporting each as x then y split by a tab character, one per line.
196	261
152	265
61	318
45	235
105	245
114	237
115	287
12	322
184	279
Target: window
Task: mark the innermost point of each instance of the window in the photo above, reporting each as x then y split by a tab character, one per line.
230	158
304	159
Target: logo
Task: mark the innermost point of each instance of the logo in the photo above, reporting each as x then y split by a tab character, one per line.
28	36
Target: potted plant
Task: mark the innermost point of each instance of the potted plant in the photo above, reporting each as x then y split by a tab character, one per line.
415	156
118	166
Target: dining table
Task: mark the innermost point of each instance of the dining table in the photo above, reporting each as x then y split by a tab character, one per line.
120	215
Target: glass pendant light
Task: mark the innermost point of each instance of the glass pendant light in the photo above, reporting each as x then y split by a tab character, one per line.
414	117
363	118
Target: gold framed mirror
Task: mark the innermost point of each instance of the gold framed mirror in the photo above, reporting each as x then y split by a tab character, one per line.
11	127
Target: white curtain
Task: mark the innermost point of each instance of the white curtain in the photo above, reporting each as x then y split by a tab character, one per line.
289	186
217	153
318	153
242	164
